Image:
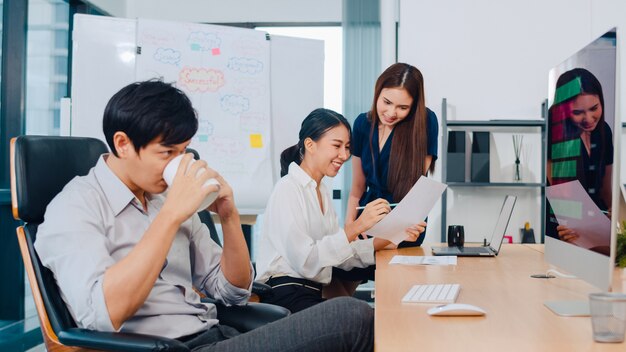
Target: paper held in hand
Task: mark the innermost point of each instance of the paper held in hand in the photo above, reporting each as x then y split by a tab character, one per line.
574	209
413	208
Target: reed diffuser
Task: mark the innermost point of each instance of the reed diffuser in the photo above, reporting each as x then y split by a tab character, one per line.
517	147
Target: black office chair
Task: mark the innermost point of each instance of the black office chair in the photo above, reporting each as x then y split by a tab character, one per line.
259	289
40	168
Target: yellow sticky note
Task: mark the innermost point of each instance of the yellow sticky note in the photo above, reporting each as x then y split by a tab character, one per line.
256	141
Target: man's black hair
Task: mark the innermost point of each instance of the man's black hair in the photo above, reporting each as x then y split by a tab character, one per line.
149	110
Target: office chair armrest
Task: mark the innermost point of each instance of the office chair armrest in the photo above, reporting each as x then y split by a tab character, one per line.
248	317
118	341
260	289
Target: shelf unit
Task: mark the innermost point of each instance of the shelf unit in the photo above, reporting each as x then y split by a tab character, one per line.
490	124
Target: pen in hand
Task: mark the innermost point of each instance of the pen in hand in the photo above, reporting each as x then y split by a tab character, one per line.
391	205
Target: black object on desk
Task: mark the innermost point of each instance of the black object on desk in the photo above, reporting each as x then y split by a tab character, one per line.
456	236
455	161
480	157
527	235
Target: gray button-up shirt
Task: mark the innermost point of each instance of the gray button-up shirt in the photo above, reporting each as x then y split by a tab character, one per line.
94	223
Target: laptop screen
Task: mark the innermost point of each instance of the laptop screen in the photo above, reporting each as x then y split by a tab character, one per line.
502	223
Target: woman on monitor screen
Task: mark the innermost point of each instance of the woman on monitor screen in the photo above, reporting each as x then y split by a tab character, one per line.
580	147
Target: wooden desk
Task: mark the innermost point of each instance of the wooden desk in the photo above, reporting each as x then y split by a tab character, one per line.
516	318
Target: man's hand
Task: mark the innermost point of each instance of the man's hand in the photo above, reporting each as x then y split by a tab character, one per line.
187	191
224	205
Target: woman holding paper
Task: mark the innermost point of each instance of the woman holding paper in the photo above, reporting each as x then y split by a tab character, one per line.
301	240
394	144
580	146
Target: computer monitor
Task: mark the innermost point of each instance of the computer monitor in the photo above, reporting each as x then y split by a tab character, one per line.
583	167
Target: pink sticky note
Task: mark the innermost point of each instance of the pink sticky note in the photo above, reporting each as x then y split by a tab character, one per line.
215	51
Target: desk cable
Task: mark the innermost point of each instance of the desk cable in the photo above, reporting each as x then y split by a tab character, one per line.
560	274
553	273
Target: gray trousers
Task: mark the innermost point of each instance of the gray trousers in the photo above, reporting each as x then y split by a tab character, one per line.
339	324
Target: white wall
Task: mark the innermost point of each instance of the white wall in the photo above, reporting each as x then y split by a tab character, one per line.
606	13
491	60
226	11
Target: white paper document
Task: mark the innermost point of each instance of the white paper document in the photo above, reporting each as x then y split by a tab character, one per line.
413	208
421	260
574	209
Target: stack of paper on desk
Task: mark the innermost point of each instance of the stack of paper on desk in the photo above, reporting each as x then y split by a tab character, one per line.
421	260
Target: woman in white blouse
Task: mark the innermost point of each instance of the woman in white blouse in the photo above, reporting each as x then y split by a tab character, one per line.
301	240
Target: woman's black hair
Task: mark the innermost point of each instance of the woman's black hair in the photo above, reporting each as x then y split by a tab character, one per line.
149	110
314	126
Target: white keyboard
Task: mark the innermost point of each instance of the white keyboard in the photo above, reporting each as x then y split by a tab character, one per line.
440	293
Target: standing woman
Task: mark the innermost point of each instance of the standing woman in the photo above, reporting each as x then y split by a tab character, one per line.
392	146
395	142
301	239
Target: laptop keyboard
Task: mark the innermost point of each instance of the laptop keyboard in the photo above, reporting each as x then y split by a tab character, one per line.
438	293
474	250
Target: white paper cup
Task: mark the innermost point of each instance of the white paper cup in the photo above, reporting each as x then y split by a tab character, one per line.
170	172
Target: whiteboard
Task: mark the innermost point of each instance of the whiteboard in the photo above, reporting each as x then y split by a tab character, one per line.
105	59
225	73
297	75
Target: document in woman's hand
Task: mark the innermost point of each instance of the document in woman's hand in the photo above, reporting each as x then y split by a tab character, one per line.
413	208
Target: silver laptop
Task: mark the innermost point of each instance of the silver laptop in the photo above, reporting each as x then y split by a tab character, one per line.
493	247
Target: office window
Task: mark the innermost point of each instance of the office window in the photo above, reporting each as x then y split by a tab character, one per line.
47	64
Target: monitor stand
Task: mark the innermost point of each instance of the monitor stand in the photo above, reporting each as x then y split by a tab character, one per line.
568	308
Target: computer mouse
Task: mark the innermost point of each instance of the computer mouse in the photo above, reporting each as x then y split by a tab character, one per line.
456	309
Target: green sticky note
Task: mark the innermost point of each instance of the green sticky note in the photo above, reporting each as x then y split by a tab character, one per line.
567	149
569	208
568	90
564	169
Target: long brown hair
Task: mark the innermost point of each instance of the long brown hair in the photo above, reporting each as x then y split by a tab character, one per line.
409	144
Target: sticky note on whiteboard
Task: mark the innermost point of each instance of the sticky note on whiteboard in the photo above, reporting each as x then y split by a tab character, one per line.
256	140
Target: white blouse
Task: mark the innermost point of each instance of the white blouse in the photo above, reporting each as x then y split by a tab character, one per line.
298	240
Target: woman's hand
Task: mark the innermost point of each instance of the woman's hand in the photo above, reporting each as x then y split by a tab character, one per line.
414	232
566	234
380	243
374	211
